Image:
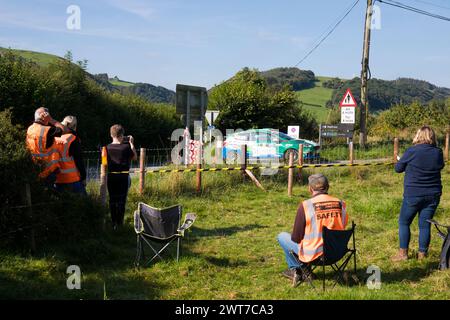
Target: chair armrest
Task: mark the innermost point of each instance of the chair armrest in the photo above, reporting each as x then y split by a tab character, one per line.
188	222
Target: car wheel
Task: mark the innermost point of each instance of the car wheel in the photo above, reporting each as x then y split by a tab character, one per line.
286	155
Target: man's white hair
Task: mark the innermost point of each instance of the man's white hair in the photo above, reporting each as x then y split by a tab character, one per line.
70	122
38	112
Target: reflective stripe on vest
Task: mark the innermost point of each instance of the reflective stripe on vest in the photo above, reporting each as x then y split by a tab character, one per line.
69	172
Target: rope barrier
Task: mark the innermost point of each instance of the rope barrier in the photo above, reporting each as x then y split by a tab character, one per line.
326	165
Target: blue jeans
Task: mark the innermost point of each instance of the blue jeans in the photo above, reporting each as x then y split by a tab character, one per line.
426	207
284	239
75	187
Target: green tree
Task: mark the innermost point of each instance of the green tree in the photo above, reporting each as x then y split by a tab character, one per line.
246	101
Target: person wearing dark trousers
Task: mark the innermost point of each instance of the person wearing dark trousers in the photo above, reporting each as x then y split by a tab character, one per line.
422	164
119	155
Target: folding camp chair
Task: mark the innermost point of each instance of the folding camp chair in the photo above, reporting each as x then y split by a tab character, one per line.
335	249
444	261
160	226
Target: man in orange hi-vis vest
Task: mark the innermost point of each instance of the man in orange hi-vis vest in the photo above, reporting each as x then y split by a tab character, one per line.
321	210
40	141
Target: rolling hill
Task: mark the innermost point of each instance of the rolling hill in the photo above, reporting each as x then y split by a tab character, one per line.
316	94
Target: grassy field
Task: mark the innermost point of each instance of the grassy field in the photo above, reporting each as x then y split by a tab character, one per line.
231	251
316	96
120	83
43	59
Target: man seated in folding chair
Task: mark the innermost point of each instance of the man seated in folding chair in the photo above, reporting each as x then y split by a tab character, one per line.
305	245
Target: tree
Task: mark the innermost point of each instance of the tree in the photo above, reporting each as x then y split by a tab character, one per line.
246	101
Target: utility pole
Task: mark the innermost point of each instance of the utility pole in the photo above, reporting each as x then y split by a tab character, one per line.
364	71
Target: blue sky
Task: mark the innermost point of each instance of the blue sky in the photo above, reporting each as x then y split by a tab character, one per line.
203	42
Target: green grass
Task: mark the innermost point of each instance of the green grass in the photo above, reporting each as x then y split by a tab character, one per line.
42	59
317	96
121	83
231	252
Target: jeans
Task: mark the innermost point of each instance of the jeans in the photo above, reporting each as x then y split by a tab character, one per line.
287	244
426	207
75	187
118	186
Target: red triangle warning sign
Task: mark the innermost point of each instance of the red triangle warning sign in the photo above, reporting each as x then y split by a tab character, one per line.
348	100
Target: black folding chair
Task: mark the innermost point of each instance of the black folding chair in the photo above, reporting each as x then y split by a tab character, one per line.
335	249
444	261
160	226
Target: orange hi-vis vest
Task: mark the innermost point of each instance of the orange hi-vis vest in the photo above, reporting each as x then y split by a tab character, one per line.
36	142
68	172
320	211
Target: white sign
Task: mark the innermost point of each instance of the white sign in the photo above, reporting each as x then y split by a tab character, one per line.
348	114
211	116
294	131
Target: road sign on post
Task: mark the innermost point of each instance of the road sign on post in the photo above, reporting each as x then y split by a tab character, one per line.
191	103
348	107
293	131
211	116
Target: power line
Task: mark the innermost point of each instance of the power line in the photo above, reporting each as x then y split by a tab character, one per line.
433	4
413	9
328	34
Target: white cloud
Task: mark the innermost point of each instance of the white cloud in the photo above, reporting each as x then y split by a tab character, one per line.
136	7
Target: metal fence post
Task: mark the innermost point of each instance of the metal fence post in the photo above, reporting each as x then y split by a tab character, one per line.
300	162
351	154
243	160
142	171
447	138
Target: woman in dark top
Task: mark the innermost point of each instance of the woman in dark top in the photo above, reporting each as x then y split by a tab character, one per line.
422	164
120	153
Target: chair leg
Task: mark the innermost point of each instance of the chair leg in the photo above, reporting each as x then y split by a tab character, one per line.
138	252
178	248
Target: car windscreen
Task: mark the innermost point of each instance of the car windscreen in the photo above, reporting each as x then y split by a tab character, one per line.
285	136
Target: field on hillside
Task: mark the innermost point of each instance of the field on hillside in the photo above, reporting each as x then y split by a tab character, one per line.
120	83
315	99
42	59
231	251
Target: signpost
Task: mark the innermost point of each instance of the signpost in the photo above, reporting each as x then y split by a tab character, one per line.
348	110
191	103
293	131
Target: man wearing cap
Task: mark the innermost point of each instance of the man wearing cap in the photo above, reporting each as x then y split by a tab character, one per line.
321	210
40	141
72	174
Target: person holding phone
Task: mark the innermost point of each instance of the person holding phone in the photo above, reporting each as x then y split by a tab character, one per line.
120	153
422	164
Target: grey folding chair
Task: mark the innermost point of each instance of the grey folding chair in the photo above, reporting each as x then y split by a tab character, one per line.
159	225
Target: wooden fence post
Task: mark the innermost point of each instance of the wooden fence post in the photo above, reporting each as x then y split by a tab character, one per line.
351	154
290	173
30	217
447	138
395	150
103	177
142	171
300	163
